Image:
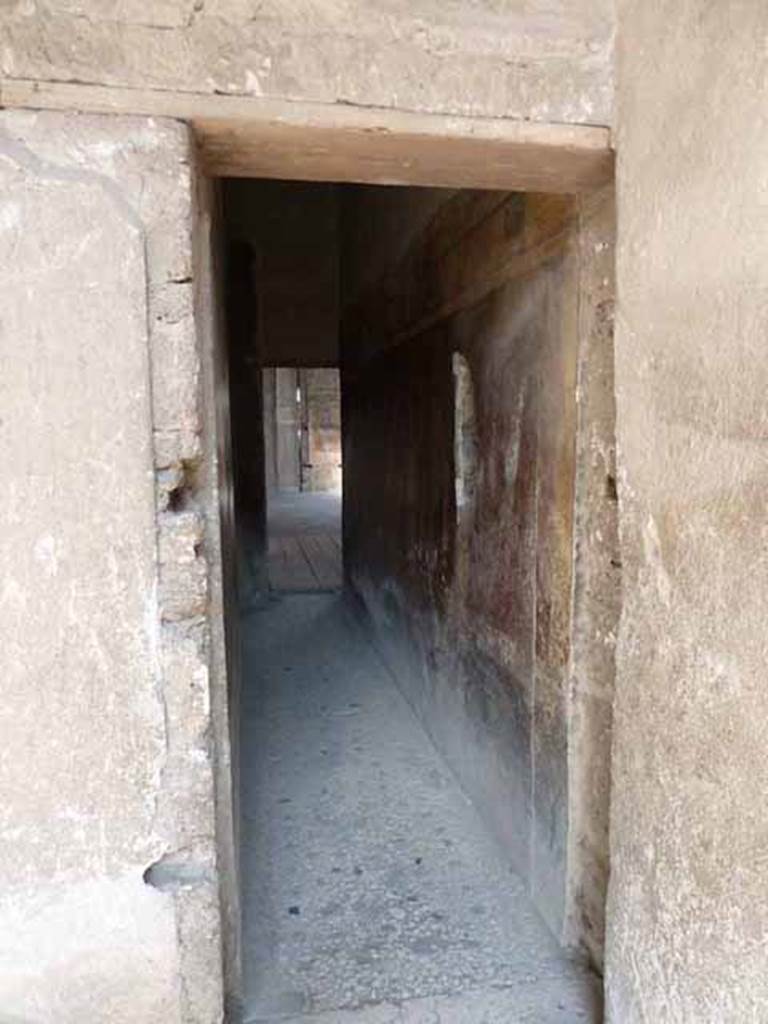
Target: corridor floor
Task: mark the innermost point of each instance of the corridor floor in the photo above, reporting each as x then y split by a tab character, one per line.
304	530
372	893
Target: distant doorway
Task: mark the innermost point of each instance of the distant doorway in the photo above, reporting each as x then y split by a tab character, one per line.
303	473
302	429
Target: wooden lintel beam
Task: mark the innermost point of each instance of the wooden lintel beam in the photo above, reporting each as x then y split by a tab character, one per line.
242	136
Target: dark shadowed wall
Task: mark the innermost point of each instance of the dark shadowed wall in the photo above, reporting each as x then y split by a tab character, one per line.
292	230
474	605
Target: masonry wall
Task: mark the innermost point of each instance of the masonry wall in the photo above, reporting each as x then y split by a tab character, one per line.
543	60
481	609
688	912
211	486
110	899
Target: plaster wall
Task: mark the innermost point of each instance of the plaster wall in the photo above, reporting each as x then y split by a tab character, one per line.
487	616
212	491
688	915
547	60
110	899
596	593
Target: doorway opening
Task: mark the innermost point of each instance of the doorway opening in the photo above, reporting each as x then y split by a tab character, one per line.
422	828
303	472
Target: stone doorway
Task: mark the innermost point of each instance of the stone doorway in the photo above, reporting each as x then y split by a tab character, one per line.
463	323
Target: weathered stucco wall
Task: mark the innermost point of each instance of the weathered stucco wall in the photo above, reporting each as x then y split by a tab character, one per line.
689	832
110	900
596	596
476	610
212	490
538	59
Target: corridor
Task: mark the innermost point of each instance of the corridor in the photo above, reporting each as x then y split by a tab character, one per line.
372	892
421	801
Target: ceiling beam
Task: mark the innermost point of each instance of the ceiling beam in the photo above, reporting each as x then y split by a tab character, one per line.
265	138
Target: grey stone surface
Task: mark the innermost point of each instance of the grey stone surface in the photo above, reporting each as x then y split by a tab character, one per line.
537	1001
368	876
539	59
214	494
292	513
687	912
105	752
597	583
